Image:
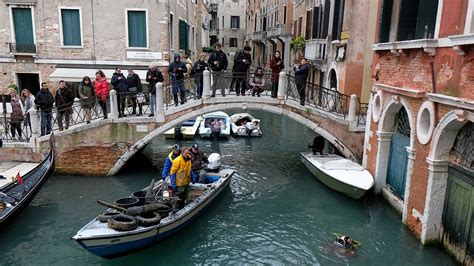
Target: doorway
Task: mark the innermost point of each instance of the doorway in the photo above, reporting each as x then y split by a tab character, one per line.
28	81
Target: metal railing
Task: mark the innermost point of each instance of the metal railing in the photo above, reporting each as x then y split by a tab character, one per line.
362	114
12	130
27	48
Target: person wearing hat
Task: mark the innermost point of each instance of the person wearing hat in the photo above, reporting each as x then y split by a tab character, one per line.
176	70
45	100
197	162
180	176
169	160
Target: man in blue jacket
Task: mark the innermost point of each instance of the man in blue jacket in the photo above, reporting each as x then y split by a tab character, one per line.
301	75
169	160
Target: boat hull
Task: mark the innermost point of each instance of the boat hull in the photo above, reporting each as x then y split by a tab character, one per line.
122	244
323	177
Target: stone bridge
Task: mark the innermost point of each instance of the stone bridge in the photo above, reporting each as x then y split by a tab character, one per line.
104	146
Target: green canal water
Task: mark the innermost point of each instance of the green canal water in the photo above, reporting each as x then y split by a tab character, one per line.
275	212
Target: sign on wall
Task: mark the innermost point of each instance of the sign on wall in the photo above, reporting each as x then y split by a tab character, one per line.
144	55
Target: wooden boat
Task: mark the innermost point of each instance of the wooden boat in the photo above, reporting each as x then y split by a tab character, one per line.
339	173
103	241
186	130
206	130
15	194
244	124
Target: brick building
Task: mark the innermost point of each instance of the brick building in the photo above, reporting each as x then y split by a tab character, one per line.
419	142
52	40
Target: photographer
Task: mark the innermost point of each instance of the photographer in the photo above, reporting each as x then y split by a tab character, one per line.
176	70
242	62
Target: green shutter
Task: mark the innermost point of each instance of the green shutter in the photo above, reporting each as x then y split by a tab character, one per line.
23	26
137	29
71	27
183	35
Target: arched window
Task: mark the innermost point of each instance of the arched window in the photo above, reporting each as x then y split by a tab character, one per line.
402	123
463	148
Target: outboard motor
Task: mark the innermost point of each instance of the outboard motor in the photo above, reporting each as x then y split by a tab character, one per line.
177	132
214	162
249	127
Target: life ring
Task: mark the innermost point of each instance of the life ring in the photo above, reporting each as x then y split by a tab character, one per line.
123	222
104	217
148	218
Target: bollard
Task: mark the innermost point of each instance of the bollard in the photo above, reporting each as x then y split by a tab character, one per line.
160	107
282	86
113	104
351	114
206	90
35	124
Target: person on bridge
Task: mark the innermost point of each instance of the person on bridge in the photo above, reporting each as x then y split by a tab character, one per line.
301	76
64	101
242	62
28	101
87	95
180	176
218	63
101	87
45	100
198	161
187	75
257	82
276	64
169	160
120	86
199	66
133	81
176	71
153	76
17	114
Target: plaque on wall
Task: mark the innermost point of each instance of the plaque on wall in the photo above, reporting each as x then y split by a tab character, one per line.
144	55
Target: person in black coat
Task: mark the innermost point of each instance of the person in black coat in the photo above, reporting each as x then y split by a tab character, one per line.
218	64
153	76
119	81
301	76
176	70
198	68
133	81
44	101
64	101
242	62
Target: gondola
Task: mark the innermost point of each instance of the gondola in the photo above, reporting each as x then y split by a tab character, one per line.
16	193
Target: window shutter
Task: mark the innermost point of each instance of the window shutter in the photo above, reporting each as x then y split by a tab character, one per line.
316	22
338	19
407	20
23	25
327	9
385	21
137	29
71	27
426	20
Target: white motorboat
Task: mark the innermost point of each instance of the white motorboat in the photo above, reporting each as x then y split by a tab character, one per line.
339	173
215	125
185	130
244	124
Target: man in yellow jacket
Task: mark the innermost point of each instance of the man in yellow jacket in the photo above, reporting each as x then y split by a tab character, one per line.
180	175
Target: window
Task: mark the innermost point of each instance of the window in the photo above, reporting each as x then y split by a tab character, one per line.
284	15
415	19
171	31
255	23
23	30
337	20
300	23
137	29
222	41
307	33
235	22
71	27
223	26
321	20
233	42
183	35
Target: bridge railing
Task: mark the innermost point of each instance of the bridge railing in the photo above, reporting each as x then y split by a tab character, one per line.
362	114
18	130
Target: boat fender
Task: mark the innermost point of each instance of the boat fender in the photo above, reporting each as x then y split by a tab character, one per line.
148	219
104	217
123	222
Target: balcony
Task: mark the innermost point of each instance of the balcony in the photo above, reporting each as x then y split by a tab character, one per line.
22	48
213	8
21	2
213	32
277	31
315	49
260	36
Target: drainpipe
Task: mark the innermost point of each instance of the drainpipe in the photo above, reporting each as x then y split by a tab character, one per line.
170	28
93	30
433	83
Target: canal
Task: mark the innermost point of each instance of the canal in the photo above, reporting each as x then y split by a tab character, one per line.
274	212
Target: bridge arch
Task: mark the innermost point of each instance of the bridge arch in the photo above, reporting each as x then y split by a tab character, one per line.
277	109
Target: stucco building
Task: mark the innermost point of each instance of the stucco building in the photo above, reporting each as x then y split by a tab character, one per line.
419	139
53	40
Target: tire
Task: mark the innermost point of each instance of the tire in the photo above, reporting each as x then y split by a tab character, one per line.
104	217
123	222
148	219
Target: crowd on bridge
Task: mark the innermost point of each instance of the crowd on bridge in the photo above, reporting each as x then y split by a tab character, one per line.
182	72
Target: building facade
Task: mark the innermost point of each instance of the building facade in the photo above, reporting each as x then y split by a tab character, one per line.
54	40
419	136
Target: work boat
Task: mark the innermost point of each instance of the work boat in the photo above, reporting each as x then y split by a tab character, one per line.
185	130
339	173
244	124
208	128
148	216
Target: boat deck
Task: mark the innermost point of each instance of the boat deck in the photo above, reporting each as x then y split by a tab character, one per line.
10	169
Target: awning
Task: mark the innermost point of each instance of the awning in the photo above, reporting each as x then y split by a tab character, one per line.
76	74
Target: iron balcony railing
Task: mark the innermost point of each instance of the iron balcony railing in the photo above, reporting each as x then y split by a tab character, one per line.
260	36
316	49
27	48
